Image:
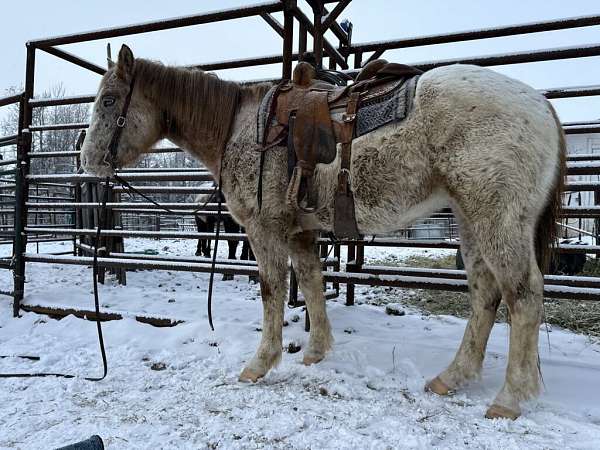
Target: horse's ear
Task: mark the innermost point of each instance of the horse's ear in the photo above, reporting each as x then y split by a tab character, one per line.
125	63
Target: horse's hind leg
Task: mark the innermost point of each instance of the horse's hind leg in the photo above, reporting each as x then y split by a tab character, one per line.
307	267
271	255
485	298
506	242
522	285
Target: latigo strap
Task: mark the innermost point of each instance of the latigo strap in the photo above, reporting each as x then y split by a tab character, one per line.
344	223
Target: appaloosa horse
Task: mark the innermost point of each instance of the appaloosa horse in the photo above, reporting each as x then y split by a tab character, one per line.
490	146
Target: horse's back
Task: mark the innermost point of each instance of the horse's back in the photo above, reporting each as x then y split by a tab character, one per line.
473	99
489	130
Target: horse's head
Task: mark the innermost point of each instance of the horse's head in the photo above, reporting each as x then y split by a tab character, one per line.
124	123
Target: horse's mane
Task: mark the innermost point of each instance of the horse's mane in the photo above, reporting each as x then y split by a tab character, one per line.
195	100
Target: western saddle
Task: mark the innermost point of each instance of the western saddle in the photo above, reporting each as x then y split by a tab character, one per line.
314	116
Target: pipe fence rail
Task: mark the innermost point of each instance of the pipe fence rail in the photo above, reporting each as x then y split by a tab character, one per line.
46	207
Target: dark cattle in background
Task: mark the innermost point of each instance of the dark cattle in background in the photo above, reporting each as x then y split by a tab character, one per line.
207	224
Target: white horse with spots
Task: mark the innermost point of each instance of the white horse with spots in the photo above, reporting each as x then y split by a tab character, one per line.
487	145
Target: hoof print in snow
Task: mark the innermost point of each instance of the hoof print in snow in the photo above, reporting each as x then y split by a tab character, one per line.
394	311
213	344
349	330
171	300
285	323
158	366
295	318
293	347
259	329
323	391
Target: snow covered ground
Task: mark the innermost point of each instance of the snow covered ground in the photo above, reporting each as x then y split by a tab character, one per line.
367	393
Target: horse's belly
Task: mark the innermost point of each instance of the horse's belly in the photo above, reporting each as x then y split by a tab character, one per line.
379	220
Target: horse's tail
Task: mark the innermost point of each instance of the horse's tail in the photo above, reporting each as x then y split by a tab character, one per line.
546	242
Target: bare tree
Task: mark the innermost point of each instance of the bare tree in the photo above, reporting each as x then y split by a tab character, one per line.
48	141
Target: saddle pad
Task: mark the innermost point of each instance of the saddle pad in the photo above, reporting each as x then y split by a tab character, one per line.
394	107
373	113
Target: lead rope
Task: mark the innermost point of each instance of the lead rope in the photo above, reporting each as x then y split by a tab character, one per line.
102	219
214	256
216	190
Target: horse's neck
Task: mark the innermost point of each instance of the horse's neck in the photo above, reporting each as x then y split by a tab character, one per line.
196	109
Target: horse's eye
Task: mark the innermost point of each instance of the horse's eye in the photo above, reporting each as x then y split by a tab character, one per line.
108	101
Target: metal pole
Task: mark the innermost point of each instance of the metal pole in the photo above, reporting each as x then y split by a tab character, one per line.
22	185
288	38
302	35
596	194
350	264
317	6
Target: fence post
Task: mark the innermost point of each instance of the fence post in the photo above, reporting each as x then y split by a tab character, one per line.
288	38
21	182
350	267
597	220
293	294
317	7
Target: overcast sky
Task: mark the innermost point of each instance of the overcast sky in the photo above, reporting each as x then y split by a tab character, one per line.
373	20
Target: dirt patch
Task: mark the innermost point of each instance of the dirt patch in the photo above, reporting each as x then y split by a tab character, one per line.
578	316
428	262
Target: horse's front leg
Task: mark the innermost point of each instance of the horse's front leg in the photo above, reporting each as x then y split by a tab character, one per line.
271	255
307	267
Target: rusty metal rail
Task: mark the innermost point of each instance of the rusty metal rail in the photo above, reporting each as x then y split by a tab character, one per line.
166	24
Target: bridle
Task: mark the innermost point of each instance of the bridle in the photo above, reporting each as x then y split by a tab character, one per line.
110	156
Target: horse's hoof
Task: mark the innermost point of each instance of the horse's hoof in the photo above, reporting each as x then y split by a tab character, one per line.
438	387
249	376
309	360
501	412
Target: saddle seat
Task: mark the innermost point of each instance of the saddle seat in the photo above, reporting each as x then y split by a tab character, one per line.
314	116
